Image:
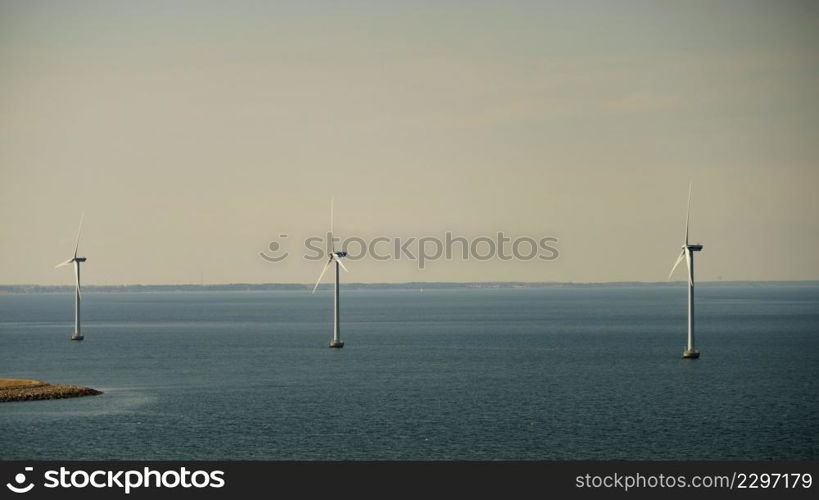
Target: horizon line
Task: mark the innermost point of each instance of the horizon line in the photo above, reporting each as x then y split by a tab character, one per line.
400	283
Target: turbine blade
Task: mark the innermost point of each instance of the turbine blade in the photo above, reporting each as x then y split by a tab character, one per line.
77	241
77	277
322	275
688	265
679	259
69	261
688	211
342	264
331	245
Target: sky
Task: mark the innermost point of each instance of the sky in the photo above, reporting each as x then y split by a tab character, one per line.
193	134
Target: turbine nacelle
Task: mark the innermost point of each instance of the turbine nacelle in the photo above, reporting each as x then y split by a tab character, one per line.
71	261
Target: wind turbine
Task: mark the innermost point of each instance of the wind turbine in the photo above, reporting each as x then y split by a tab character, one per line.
688	253
77	335
334	257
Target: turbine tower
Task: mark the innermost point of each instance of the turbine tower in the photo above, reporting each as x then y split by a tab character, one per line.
334	257
77	335
688	253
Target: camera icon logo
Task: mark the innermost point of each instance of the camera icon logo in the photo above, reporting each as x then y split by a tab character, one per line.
20	478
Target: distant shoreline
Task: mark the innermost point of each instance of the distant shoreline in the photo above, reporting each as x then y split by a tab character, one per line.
433	285
15	389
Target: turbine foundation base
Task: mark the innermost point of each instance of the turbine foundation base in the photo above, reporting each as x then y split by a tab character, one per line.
691	354
76	336
336	344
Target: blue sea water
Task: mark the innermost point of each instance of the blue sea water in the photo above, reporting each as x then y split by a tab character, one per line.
543	373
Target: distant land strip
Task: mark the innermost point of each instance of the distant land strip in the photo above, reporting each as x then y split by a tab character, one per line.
15	389
417	285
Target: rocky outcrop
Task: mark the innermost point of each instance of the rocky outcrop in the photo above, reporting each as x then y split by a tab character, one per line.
33	390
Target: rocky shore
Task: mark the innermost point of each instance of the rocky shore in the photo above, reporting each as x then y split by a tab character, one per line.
13	389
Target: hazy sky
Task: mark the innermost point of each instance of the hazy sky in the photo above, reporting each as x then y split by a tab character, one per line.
193	133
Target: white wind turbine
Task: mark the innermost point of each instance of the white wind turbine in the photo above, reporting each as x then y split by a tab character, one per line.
334	257
77	335
688	253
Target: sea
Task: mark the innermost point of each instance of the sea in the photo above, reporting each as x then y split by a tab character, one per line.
462	373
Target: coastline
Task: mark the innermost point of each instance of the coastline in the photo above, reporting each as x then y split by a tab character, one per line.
24	289
12	390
